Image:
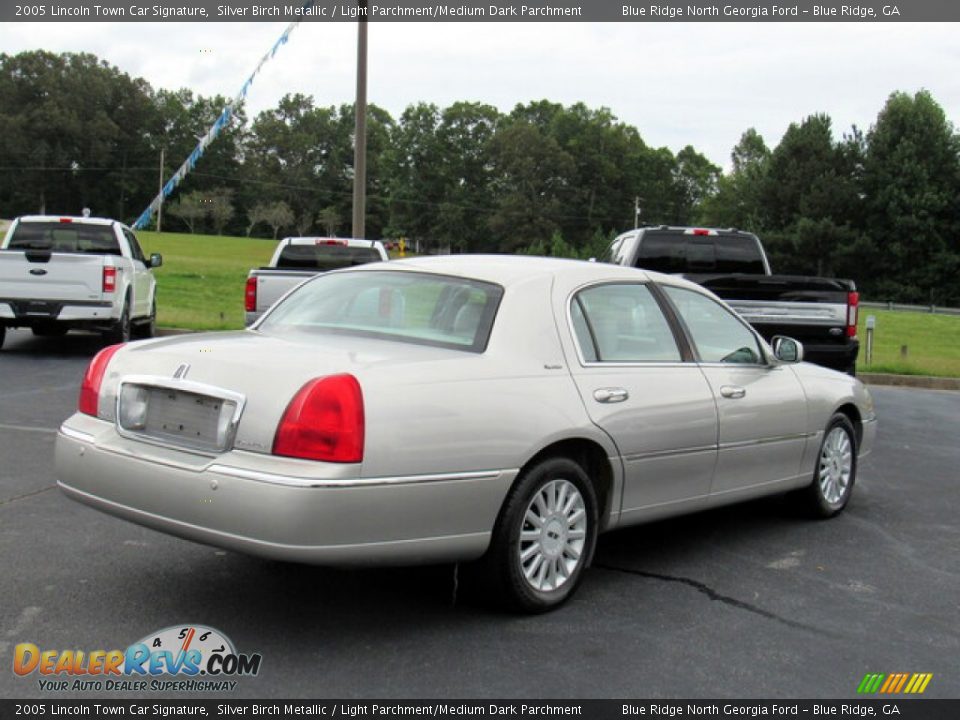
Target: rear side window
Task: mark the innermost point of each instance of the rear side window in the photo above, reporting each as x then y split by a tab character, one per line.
65	238
419	308
325	257
675	252
622	323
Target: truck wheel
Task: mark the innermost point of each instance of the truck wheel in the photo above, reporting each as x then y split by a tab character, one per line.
3	335
120	332
149	328
835	471
544	537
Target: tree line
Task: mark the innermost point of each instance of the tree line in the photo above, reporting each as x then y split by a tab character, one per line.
881	206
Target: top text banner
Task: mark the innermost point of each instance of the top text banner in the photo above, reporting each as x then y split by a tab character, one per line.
469	10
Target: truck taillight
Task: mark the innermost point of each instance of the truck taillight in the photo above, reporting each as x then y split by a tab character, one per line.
109	279
853	303
330	241
324	421
250	295
89	401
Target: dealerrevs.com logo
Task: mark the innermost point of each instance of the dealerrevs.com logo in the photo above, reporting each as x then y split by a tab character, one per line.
181	658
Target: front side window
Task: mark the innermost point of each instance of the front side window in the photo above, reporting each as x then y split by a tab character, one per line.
622	323
719	336
413	307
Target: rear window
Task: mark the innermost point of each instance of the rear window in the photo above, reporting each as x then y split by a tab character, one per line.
419	308
65	238
325	257
674	252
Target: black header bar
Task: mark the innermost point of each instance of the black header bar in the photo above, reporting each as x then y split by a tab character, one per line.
473	11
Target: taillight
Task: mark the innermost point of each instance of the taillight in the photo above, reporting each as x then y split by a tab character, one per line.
250	295
853	302
89	400
324	421
109	279
700	231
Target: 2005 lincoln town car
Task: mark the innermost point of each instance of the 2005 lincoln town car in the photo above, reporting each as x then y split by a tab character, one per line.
505	409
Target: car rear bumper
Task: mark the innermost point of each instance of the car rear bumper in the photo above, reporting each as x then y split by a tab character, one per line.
252	509
28	313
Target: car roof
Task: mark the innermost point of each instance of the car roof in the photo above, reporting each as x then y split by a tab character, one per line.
71	218
509	270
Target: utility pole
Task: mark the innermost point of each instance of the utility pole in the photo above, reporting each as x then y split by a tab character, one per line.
360	130
636	212
160	193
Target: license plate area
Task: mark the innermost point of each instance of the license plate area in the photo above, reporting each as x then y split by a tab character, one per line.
178	414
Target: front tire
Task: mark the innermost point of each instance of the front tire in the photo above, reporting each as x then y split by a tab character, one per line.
835	471
544	537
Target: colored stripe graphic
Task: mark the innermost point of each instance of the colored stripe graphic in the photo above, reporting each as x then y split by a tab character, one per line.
894	683
222	121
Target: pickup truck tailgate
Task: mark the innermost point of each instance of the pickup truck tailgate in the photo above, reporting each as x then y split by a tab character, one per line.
63	277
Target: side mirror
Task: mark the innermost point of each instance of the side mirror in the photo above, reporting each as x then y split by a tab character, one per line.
786	349
156	260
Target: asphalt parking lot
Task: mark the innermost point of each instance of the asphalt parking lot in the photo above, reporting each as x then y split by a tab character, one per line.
749	601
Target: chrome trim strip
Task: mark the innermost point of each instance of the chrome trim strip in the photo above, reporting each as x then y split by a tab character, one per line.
292	481
76	434
766	440
669	453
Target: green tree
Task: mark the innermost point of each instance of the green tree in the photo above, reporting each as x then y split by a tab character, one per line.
911	187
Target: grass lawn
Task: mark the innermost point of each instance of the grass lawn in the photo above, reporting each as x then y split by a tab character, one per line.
933	343
200	285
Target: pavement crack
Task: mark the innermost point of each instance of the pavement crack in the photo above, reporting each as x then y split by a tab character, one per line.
718	597
8	501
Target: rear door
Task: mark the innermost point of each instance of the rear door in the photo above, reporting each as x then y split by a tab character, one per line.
659	409
142	277
762	408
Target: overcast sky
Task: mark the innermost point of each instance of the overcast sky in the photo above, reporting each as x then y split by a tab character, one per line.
678	83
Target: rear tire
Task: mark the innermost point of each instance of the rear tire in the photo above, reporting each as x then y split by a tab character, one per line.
835	471
120	332
543	539
149	328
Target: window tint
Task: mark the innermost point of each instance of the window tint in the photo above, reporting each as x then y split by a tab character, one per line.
719	335
676	252
325	257
622	323
409	307
65	238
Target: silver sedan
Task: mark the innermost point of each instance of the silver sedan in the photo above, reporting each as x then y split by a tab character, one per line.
499	409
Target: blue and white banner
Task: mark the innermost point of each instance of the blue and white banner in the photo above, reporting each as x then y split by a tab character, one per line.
222	121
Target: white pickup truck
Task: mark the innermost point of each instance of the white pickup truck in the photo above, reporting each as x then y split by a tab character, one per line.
59	273
297	259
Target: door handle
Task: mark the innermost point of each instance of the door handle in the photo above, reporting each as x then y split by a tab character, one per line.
610	395
732	391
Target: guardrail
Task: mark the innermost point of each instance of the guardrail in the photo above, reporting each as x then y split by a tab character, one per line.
934	309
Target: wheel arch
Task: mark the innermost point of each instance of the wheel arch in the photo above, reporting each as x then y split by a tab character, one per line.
595	461
852	413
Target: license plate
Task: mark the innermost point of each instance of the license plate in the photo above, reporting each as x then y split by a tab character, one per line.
176	417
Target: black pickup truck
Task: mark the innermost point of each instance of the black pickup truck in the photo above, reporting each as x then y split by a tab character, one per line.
819	312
